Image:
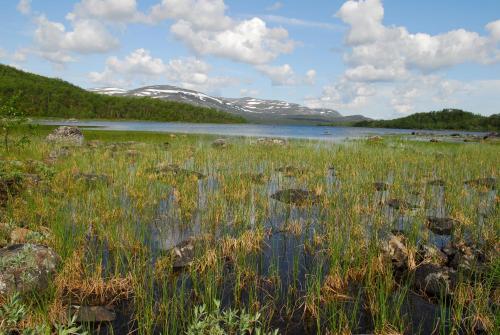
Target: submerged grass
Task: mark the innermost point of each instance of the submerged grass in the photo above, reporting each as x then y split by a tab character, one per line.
176	252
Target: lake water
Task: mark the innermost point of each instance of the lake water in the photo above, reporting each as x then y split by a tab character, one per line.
254	130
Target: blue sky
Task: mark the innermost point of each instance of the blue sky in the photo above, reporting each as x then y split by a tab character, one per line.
382	59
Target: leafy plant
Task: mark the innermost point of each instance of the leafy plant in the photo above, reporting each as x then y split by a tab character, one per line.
229	322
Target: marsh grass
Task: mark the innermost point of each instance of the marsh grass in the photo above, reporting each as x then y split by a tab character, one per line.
311	268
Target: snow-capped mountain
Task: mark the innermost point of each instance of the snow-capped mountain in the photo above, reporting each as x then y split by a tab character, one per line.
253	109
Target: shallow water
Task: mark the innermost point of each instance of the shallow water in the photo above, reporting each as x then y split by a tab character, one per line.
255	130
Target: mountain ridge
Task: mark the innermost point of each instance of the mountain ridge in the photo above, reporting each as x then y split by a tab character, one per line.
252	109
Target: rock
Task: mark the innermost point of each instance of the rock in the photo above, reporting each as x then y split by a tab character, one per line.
380	186
433	140
465	256
492	135
296	197
441	226
183	254
95	314
434	280
271	141
26	267
219	143
489	183
429	254
394	249
66	134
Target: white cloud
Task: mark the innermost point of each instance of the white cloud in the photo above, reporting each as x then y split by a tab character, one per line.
205	28
494	29
119	11
3	53
342	95
284	75
140	67
275	6
56	44
24	7
387	53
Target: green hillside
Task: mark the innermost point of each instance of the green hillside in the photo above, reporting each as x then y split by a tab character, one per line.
47	97
446	119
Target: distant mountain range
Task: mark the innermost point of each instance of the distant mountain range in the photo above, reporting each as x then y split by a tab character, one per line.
252	109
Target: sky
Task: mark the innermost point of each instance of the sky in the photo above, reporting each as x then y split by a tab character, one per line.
381	59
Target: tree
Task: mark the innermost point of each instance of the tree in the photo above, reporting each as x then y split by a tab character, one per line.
10	119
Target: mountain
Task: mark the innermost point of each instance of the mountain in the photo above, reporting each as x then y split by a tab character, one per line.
252	109
39	96
445	119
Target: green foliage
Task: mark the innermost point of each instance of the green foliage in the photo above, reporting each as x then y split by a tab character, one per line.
13	311
11	118
229	322
445	119
47	97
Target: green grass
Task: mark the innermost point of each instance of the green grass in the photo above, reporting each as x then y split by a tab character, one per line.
317	272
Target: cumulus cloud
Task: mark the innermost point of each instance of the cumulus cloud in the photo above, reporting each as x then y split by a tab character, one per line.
24	7
56	44
140	66
119	11
391	66
284	75
342	95
205	28
387	53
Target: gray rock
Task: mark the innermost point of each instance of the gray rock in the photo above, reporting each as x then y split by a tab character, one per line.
26	267
394	250
66	134
219	143
435	280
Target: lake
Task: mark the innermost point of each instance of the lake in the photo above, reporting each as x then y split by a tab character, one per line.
253	130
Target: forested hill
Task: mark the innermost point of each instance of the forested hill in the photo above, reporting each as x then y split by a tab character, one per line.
40	96
444	119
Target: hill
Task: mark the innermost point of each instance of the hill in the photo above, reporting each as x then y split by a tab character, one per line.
453	119
252	109
48	97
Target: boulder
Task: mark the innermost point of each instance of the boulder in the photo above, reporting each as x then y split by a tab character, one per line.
26	267
66	134
183	254
394	250
430	254
435	280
